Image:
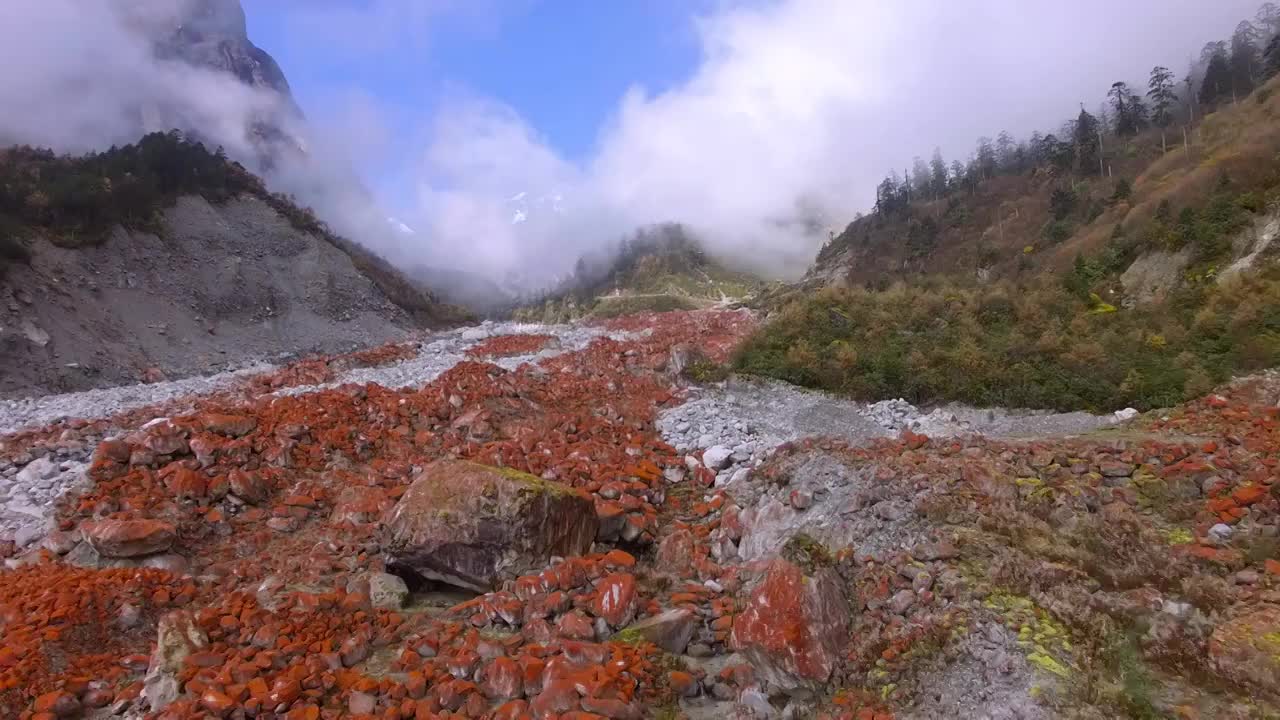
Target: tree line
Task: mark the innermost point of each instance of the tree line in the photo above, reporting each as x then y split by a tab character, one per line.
1225	72
79	199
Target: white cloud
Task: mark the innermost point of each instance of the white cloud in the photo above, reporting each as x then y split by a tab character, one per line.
796	109
799	104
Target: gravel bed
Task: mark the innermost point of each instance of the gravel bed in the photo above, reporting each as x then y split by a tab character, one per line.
35	412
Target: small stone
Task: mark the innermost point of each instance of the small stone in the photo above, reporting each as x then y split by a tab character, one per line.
801	500
1247	577
902	601
1115	469
671	630
361	703
717	457
387	591
1221	532
699	650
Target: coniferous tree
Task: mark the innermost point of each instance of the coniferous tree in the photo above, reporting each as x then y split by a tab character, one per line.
1268	20
957	175
921	179
1160	91
1021	158
1035	148
1122	103
1244	60
1005	149
1271	58
1086	143
1216	84
986	158
938	174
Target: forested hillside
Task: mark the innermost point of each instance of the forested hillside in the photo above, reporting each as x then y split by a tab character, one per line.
75	201
1085	267
1021	205
658	268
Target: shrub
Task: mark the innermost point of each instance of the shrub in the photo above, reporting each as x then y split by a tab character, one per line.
1043	343
1056	231
12	249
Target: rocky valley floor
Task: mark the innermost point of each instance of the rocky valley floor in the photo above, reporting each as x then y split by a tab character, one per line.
514	521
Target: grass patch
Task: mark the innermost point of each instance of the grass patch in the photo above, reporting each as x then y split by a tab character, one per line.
610	307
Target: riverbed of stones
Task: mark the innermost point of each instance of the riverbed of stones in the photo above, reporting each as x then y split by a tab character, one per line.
551	522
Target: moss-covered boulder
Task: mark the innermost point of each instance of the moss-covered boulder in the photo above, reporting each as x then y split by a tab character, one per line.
471	525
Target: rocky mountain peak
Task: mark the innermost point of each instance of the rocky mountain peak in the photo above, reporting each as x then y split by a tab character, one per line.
212	34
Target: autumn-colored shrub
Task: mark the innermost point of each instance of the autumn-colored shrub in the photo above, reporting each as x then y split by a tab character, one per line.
1033	344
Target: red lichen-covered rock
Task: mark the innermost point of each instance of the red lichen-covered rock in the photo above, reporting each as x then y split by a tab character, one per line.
1246	650
616	599
229	425
248	486
128	538
164	438
360	506
794	628
471	525
675	552
502	680
114	449
58	703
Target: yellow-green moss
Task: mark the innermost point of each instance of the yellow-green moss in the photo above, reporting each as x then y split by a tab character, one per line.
533	482
1045	640
628	636
1178	536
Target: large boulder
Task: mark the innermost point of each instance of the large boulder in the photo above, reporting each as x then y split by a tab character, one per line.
128	538
795	628
471	525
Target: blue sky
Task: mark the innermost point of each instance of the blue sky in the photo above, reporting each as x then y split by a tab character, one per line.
756	120
561	64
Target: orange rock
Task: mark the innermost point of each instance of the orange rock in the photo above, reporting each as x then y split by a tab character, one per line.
216	703
794	628
616	599
682	683
59	703
1249	494
128	538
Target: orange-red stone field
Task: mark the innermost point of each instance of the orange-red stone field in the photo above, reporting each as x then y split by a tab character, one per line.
522	543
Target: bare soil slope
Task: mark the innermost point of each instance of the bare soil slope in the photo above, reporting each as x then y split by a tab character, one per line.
219	286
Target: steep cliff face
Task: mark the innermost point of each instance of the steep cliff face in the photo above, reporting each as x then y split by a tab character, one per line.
212	34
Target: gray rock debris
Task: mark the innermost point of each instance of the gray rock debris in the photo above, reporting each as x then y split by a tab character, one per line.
985	676
27	497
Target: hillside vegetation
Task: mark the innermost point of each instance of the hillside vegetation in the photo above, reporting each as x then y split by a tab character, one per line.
1003	282
658	269
76	201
